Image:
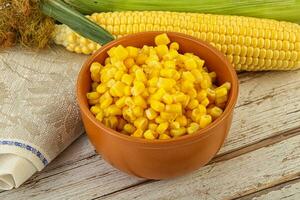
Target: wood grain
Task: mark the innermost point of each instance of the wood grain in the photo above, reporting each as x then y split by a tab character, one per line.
267	109
228	179
289	191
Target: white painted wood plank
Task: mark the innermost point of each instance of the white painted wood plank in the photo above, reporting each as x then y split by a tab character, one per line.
222	180
268	104
287	192
227	179
291	192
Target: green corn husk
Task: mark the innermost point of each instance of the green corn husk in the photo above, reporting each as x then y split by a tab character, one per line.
287	10
63	13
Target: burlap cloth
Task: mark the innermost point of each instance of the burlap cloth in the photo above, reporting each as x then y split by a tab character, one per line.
39	116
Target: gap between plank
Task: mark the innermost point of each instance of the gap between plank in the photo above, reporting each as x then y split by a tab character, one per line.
277	186
281	136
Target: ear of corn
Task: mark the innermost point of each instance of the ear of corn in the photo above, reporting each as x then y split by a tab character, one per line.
63	13
250	44
287	10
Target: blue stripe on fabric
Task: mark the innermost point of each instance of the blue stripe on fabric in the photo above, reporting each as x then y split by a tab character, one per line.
27	147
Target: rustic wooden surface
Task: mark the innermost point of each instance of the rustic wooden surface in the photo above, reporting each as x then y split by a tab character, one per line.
260	159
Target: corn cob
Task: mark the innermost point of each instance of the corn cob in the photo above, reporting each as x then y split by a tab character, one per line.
287	10
250	44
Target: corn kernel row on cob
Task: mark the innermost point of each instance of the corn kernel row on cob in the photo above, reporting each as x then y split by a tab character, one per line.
250	44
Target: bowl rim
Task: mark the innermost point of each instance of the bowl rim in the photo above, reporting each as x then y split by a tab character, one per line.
172	141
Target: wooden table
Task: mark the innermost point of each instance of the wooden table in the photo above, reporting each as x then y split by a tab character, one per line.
260	159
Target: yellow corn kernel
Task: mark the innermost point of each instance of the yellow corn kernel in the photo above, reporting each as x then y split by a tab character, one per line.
179	97
197	74
169	64
110	83
161	50
107	61
129	128
95	109
94	86
153	82
141	59
141	123
190	64
119	52
95	68
127	90
150	113
192	93
162	39
157	106
100	116
111	122
166	83
193	127
211	95
106	102
140	101
175	125
205	83
166	116
221	100
164	137
159	94
174	108
132	51
101	88
138	133
127	79
127	114
212	76
167	98
198	112
121	124
193	104
152	126
152	90
93	95
113	110
118	88
186	85
201	95
138	111
138	88
167	72
174	45
118	75
154	73
150	135
205	102
178	132
182	120
140	75
133	69
162	127
186	101
205	120
188	76
129	101
159	120
220	92
215	112
226	85
93	101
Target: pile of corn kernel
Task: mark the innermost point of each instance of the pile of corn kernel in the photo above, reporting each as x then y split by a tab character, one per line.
155	92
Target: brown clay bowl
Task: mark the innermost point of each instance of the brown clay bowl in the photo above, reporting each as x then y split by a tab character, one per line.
159	159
